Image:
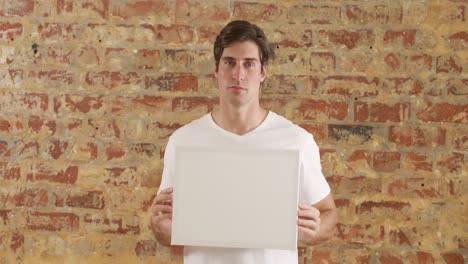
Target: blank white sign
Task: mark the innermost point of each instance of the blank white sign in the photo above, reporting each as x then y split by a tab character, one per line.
235	198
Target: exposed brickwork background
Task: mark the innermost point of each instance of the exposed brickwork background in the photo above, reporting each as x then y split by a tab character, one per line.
90	90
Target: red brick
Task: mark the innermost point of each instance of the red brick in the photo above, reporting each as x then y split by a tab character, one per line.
345	38
207	33
400	85
17	242
358	155
358	61
421	257
87	151
189	11
319	257
419	161
177	82
317	130
346	186
112	80
351	85
91	200
56	32
419	63
394	62
114	225
444	112
28	150
315	109
369	206
33	102
286	84
360	234
101	7
277	105
174	34
386	161
31	197
43	172
458	41
191	103
389	259
78	103
120	176
53	79
457	87
64	6
52	221
425	188
138	8
299	38
147	59
374	14
5	150
88	57
451	162
453	258
379	112
59	55
17	8
314	14
144	150
56	148
164	129
5	125
9	172
449	64
4	215
322	62
417	136
115	151
460	138
256	12
146	248
405	38
10	31
11	78
37	123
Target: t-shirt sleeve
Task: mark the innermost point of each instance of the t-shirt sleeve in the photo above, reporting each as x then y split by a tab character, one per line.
313	185
168	171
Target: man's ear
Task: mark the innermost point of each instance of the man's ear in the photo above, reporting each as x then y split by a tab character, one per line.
264	73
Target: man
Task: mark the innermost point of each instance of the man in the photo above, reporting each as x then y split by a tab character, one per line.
241	54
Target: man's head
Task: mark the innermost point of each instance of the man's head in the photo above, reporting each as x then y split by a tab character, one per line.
239	31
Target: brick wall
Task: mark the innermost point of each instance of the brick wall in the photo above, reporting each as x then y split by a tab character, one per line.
90	90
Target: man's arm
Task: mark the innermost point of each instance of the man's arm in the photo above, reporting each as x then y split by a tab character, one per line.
316	223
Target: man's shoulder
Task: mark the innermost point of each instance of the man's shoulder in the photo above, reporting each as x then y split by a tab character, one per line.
290	129
192	127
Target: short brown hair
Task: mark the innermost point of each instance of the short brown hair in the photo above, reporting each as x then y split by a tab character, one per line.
241	30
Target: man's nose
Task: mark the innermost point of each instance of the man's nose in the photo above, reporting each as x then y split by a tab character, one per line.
238	73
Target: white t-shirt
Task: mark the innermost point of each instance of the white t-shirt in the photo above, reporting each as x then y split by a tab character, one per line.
275	132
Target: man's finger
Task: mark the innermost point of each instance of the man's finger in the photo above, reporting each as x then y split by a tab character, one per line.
309	224
162	208
309	214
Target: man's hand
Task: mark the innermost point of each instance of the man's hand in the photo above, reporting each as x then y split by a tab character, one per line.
161	216
316	223
308	222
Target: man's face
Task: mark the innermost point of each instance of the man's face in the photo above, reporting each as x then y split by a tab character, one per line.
240	74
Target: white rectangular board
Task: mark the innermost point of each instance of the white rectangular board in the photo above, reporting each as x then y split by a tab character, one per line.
235	198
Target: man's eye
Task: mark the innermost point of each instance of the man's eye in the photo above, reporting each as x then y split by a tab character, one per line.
249	64
230	62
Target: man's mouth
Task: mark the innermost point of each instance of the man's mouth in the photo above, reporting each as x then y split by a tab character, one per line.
236	88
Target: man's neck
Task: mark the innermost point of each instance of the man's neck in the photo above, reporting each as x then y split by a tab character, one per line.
239	121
